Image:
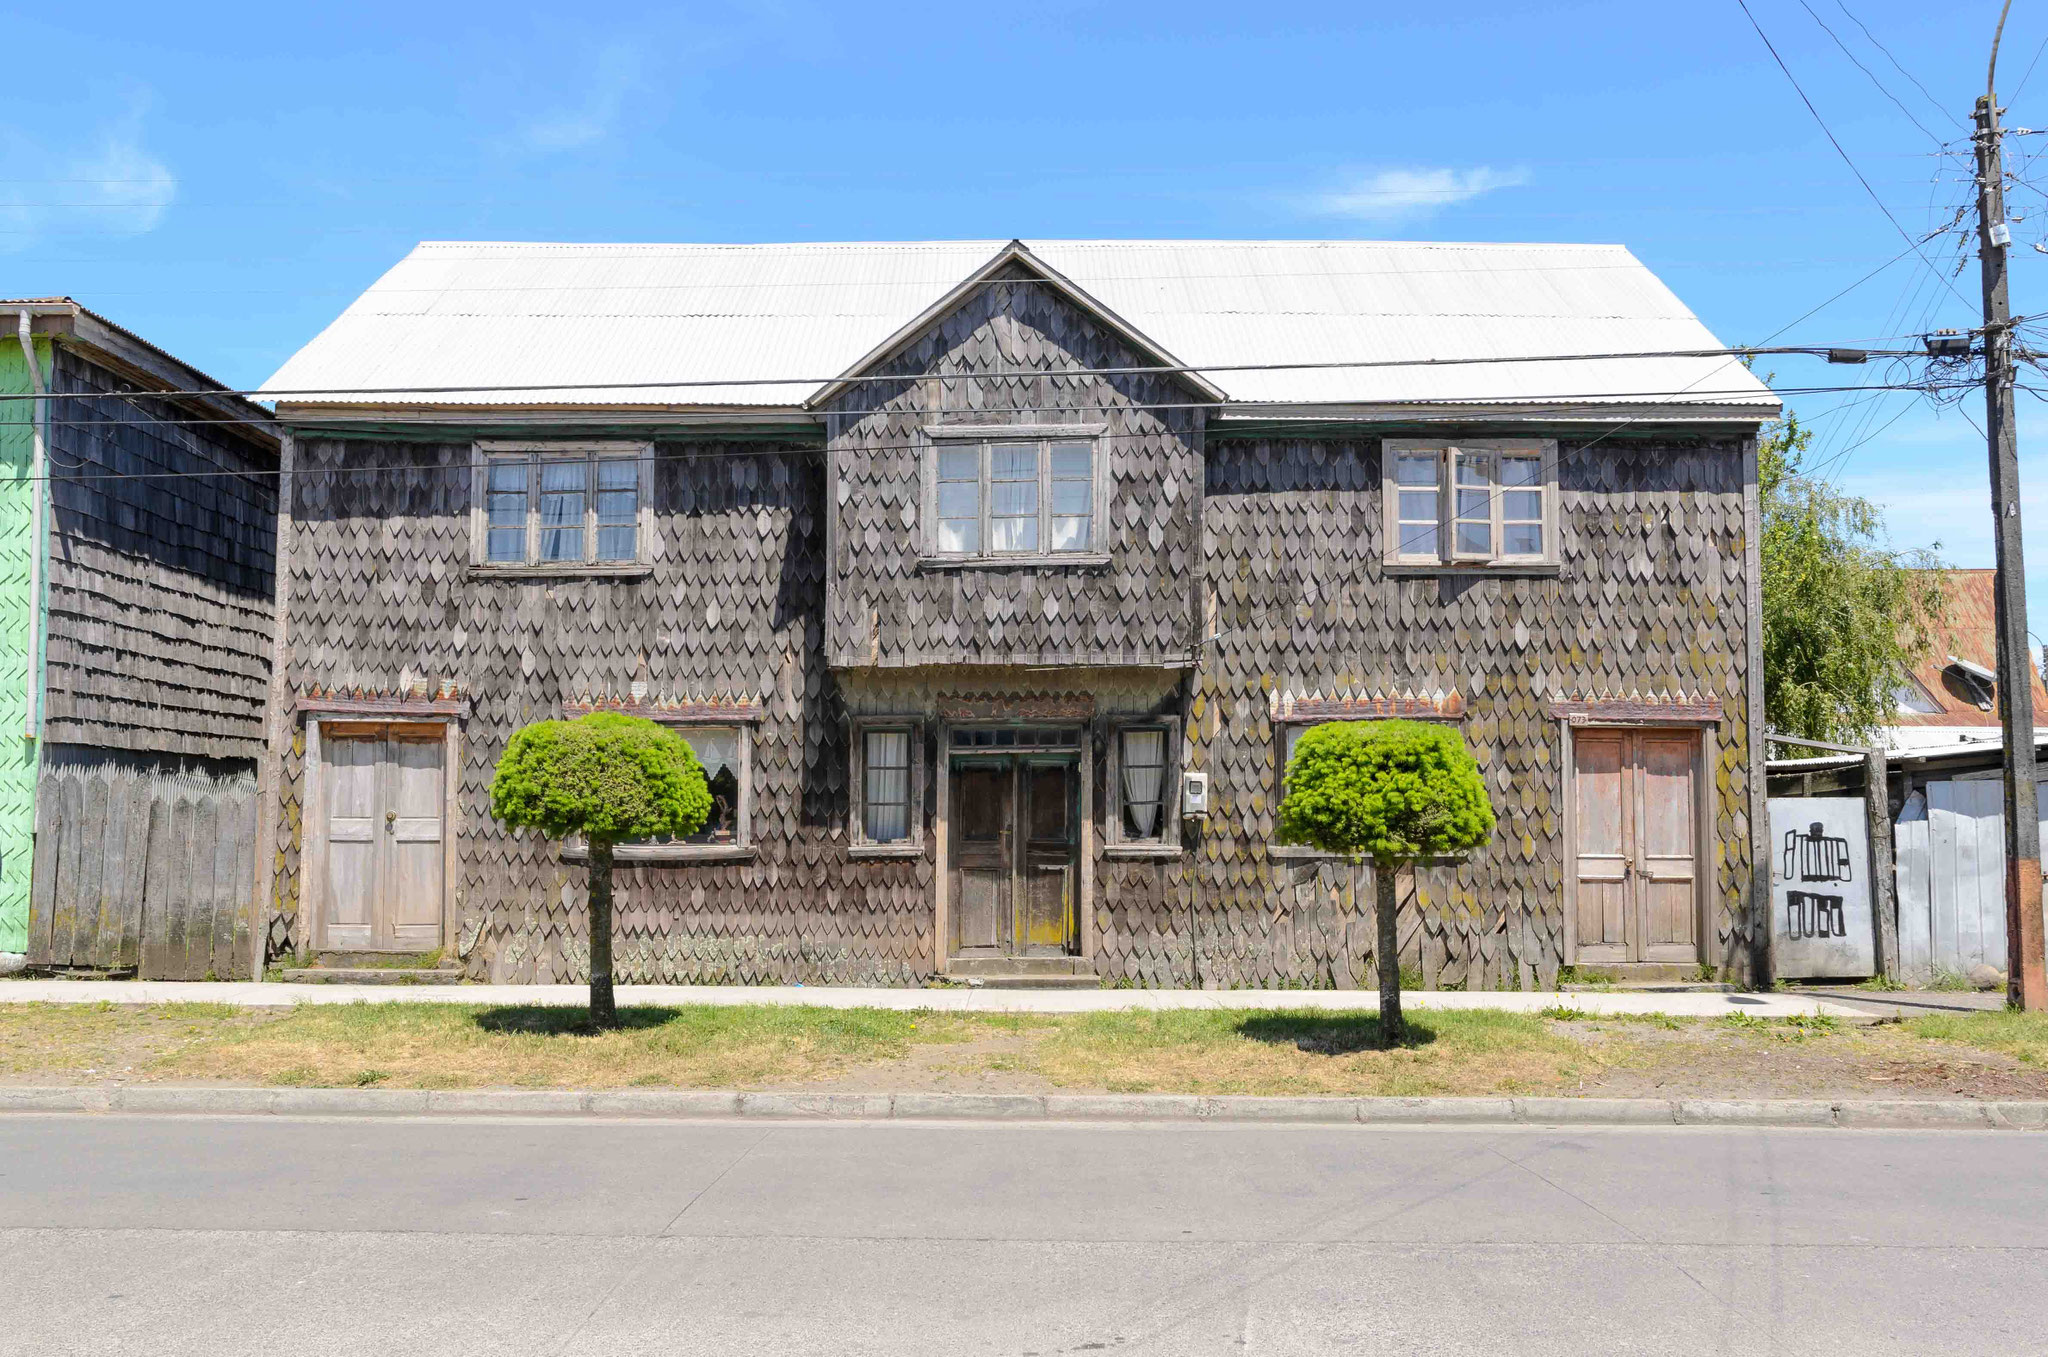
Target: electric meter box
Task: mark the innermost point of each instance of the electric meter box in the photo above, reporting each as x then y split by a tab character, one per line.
1194	794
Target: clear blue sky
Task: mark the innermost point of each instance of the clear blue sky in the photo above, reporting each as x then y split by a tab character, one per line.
223	179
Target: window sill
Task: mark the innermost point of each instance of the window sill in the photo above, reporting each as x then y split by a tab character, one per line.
885	850
1083	560
1141	850
628	570
1395	569
699	852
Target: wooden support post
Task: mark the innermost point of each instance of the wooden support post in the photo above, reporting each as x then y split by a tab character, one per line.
277	735
1884	895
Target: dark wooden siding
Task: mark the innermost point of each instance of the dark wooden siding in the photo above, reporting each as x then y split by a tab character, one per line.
1651	600
998	359
381	599
160	585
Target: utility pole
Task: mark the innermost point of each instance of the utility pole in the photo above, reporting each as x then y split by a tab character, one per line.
2026	985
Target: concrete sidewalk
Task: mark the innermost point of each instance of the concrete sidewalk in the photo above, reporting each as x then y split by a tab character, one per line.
1676	1003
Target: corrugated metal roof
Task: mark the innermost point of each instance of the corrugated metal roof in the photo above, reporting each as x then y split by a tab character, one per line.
504	314
1967	630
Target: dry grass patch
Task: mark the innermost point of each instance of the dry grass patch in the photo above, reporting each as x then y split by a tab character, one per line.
1270	1051
67	1042
453	1046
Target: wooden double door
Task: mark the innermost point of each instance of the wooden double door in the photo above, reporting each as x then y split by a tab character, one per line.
384	797
1636	819
1012	860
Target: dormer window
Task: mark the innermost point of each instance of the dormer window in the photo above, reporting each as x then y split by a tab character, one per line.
1003	496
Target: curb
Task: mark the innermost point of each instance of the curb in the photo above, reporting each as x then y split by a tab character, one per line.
695	1104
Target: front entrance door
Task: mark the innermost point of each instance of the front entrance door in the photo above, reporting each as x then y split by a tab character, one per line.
1636	814
384	798
1012	848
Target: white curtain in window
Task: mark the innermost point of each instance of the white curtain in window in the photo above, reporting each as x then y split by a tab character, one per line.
886	793
1144	768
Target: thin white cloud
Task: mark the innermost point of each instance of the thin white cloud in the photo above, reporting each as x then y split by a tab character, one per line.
1392	197
615	77
106	185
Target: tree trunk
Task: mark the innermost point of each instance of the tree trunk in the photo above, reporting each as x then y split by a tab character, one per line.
1392	1030
603	1014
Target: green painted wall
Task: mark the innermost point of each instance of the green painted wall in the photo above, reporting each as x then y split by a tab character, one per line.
17	756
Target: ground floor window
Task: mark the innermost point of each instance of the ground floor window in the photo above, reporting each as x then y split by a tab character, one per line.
887	788
726	755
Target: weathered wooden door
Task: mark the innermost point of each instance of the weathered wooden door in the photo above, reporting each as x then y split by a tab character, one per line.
982	864
1635	811
1012	872
384	840
1045	892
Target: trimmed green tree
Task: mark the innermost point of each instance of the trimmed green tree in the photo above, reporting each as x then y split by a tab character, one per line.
609	778
1396	792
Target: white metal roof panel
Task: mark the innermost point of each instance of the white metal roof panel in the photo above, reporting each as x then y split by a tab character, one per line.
722	318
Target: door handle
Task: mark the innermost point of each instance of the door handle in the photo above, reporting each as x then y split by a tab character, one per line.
390	822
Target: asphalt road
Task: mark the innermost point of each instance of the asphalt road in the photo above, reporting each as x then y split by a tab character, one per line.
271	1236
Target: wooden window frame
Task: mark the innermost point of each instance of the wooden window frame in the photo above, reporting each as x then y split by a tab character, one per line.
484	452
1166	843
982	438
858	843
741	849
1451	455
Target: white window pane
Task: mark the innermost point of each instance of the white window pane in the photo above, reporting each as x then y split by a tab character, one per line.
887	786
1070	534
1417	468
718	749
1012	462
959	464
1523	505
1144	781
508	510
1012	498
561	544
508	476
1013	534
618	543
508	544
959	534
559	475
1418	539
564	486
1520	470
1418	506
1072	497
886	823
959	499
1475	538
1073	459
617	506
1475	504
715	746
618	473
1522	539
888	749
1472	471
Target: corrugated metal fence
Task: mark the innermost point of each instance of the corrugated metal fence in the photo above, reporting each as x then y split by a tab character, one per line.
1951	870
143	871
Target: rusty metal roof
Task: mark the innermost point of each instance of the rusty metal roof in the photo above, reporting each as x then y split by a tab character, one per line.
468	315
1966	631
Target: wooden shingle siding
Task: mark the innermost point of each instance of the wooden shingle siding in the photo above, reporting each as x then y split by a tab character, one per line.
160	585
1651	599
998	360
382	597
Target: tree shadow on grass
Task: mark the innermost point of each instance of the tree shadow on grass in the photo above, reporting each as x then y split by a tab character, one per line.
542	1020
1330	1033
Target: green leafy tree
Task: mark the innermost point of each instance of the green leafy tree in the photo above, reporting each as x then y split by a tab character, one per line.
1396	792
609	778
1844	617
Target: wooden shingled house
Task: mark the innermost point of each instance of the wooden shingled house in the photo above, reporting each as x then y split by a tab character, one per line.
138	504
993	584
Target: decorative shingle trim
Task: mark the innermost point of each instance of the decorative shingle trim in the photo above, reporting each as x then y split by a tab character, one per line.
1006	707
1341	706
1659	708
419	699
681	711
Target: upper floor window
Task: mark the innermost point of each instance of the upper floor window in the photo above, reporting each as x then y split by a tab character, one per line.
1013	496
1477	502
563	505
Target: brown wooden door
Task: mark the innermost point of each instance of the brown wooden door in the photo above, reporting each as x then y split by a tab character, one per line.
982	867
1045	895
1012	871
1635	810
384	838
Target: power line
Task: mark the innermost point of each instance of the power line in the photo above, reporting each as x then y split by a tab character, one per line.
1872	37
1868	72
1834	142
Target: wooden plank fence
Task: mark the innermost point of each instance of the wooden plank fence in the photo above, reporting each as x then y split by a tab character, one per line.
143	872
